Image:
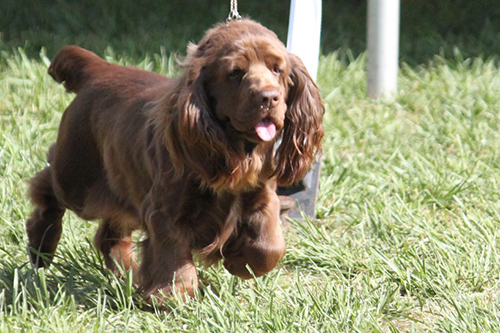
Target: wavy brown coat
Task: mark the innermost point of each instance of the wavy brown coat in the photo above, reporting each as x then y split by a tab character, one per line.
181	159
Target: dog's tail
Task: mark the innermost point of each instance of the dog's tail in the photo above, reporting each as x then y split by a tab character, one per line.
74	66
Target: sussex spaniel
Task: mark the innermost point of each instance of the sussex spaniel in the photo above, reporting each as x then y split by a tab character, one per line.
189	161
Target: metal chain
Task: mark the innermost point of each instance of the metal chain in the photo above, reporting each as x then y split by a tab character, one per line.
233	12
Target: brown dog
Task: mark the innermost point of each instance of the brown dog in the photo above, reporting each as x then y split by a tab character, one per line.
189	161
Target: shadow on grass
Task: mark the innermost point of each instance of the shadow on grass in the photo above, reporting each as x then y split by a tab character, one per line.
80	281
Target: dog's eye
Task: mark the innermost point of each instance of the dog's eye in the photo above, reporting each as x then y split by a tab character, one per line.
237	74
276	70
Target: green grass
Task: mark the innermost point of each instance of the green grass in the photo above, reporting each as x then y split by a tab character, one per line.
406	238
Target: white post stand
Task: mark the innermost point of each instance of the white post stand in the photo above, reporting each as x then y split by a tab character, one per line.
383	47
304	31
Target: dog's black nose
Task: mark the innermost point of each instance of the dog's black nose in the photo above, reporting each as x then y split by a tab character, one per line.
269	98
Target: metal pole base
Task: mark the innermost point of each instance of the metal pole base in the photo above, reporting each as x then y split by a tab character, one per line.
300	198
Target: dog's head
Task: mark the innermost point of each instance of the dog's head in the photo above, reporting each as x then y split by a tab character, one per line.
242	85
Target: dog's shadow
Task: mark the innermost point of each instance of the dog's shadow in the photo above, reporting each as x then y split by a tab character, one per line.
76	278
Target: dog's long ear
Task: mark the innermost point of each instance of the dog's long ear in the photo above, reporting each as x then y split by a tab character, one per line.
303	129
196	119
193	136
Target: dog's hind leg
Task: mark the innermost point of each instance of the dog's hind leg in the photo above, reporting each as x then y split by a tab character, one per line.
44	226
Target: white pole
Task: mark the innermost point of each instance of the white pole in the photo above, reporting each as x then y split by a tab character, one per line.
383	47
304	32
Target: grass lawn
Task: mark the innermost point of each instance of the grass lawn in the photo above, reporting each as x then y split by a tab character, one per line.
407	233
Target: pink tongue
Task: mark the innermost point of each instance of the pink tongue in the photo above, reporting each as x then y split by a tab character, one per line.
266	130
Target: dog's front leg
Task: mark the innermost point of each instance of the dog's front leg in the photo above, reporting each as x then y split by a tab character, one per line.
258	243
167	267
